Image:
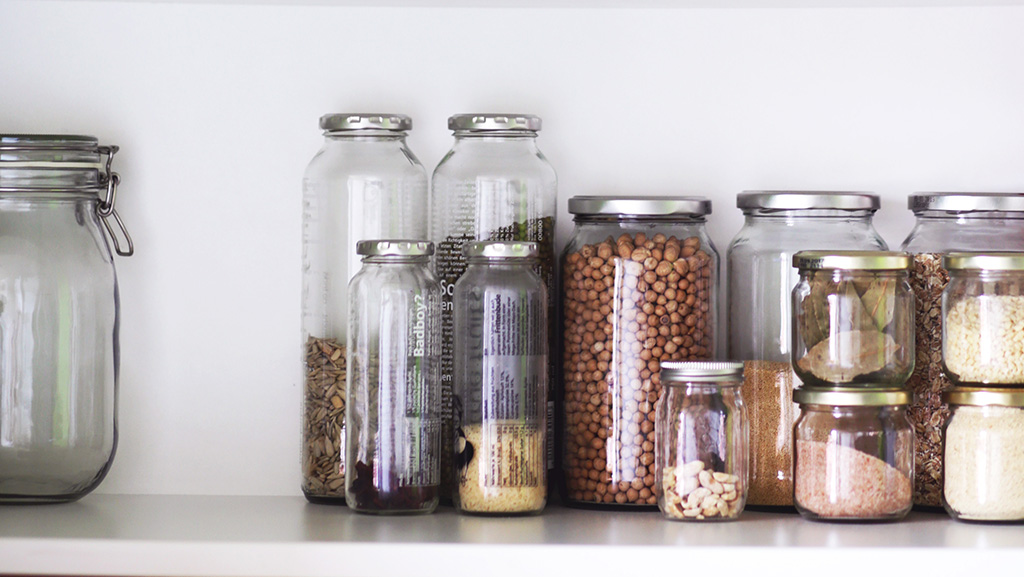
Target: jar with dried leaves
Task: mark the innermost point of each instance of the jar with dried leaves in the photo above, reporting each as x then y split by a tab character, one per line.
778	224
854	319
364	183
639	282
945	223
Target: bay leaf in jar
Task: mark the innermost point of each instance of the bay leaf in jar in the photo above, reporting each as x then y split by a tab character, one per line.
879	300
847	355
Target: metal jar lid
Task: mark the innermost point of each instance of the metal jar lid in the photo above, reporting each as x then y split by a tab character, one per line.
394	248
500	249
807	200
640	206
494	122
851	260
365	121
990	261
957	202
852	397
701	371
1002	397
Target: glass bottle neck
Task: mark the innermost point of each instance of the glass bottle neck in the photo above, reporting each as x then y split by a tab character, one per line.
756	216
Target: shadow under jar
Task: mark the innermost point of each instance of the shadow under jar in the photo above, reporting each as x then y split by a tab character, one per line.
639	281
853	319
853	455
59	310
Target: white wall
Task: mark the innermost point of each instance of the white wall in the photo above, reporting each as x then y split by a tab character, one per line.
215	107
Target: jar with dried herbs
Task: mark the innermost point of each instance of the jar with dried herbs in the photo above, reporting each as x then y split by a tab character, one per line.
854	455
494	184
639	287
393	414
983	319
364	183
945	223
854	319
778	224
501	381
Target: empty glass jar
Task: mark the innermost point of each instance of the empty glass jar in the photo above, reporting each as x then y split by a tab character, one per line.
363	184
853	319
639	287
701	441
59	312
983	319
854	455
501	380
393	446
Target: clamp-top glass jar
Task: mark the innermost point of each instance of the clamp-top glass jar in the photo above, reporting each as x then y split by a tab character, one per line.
778	224
59	312
639	282
364	183
853	319
494	184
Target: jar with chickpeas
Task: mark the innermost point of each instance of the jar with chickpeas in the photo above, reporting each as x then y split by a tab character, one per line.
639	287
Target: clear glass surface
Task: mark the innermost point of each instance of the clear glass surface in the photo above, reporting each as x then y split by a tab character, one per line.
501	385
393	432
363	184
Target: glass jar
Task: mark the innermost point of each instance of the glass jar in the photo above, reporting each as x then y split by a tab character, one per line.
945	222
984	454
393	437
639	282
854	319
701	442
494	184
854	455
363	184
983	316
59	316
501	380
776	225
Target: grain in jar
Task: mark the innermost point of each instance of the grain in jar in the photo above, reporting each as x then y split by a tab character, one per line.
639	281
945	222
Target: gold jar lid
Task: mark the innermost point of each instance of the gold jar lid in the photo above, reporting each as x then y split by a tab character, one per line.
852	397
851	260
990	261
1003	397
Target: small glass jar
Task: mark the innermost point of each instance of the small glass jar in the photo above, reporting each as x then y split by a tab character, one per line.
983	454
393	445
501	381
639	282
853	455
944	223
494	184
701	442
59	316
364	183
853	319
778	224
983	319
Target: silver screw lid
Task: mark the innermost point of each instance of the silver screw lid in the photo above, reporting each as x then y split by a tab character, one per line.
807	200
992	261
956	202
497	122
365	121
701	371
851	260
500	249
394	248
641	206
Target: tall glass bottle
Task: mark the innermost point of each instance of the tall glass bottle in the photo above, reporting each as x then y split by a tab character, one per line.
494	184
777	224
393	436
364	183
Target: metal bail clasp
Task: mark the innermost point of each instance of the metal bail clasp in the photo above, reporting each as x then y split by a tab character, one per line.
106	211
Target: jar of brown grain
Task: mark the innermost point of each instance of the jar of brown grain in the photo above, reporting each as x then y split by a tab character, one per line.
639	287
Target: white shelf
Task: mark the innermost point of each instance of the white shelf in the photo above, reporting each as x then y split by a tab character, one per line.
258	536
